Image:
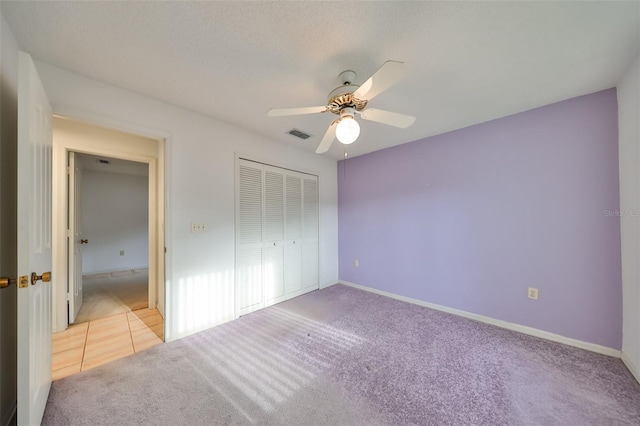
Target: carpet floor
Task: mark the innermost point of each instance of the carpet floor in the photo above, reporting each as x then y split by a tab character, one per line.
342	356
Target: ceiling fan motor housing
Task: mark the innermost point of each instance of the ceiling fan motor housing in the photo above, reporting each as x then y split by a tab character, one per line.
342	97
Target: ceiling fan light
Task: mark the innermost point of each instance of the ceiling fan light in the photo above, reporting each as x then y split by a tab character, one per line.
347	130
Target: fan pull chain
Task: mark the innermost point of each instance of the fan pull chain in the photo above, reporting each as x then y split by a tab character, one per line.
344	164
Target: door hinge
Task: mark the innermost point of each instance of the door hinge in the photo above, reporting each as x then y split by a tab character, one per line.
68	297
69	233
68	170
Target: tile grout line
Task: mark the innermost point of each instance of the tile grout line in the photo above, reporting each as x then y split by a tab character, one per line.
133	346
81	358
84	347
130	330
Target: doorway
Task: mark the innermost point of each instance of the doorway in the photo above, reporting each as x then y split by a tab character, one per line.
108	244
109	218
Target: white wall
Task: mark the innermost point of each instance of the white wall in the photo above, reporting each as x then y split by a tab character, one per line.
8	243
200	188
629	158
114	218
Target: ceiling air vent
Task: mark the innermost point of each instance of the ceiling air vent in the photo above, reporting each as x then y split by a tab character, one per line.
299	134
103	161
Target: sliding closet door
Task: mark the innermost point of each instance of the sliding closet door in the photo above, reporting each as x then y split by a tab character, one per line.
310	278
273	264
249	288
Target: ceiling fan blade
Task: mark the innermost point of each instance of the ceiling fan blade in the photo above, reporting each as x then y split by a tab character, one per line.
387	117
327	139
281	112
387	75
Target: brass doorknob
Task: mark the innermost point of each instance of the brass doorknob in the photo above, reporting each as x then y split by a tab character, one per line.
22	281
6	282
45	277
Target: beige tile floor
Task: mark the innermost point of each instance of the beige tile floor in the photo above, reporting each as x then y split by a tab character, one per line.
87	345
113	294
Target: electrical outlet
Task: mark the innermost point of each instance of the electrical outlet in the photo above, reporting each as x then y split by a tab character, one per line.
532	292
121	252
198	227
356	263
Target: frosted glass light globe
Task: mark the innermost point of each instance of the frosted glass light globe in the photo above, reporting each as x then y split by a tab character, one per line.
347	130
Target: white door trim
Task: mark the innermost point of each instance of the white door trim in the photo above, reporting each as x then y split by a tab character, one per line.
74	244
154	155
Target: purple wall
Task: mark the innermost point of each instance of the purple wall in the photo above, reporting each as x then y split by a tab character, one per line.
471	218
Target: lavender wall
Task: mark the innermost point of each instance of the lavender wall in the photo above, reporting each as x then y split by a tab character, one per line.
471	218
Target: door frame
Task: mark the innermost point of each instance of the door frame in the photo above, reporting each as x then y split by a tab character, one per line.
154	157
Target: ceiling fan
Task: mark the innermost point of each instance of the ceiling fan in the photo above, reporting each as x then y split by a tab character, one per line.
350	99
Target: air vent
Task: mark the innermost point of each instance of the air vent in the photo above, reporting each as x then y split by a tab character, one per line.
102	161
299	134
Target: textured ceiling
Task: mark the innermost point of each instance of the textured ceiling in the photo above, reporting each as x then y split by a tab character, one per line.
469	62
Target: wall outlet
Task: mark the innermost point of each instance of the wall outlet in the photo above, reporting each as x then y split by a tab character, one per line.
532	292
198	227
356	263
121	252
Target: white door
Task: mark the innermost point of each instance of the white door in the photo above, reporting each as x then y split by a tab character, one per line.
75	235
34	244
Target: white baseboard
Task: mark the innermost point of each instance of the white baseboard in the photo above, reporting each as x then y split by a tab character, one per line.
499	323
118	273
631	366
327	285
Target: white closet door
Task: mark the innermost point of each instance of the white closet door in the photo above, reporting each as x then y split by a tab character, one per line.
293	233
273	263
310	232
276	235
249	286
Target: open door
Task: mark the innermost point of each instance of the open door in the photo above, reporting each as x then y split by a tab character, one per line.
75	235
34	244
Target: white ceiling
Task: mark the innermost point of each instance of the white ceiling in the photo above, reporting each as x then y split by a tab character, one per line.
470	62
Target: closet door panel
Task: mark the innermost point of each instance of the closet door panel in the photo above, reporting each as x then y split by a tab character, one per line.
249	208
310	232
293	268
293	228
249	203
273	270
273	244
293	233
273	204
249	279
310	264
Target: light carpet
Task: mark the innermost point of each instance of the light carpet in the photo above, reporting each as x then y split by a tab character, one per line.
342	356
